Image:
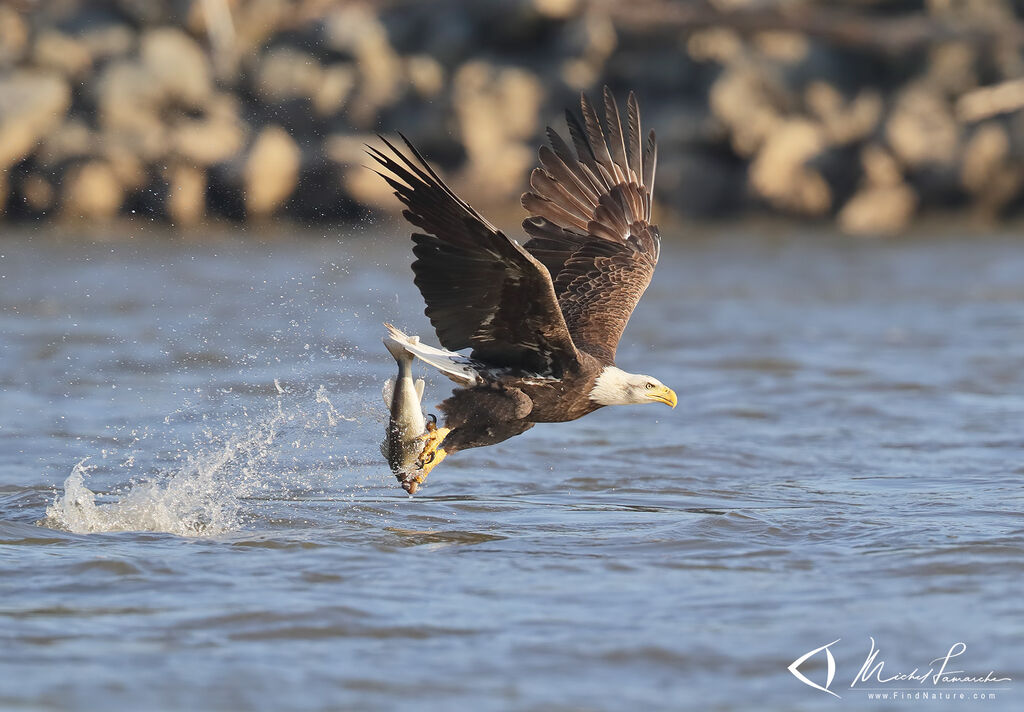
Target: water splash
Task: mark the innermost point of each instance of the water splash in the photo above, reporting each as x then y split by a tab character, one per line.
206	494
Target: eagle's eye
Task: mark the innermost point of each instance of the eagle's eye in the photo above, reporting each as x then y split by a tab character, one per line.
649	385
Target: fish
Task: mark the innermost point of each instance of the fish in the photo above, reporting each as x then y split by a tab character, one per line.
403	441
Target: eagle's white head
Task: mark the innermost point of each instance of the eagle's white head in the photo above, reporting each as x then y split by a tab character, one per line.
616	387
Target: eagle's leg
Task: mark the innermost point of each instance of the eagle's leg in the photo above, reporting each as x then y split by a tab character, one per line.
430	456
432	439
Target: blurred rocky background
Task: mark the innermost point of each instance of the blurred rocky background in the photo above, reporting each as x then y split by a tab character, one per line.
869	113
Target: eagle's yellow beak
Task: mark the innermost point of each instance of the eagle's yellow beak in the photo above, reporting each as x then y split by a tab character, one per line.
663	394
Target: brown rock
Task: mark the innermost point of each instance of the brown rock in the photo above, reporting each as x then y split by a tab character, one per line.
127	166
31	104
878	210
92	192
217	137
426	75
498	111
921	129
287	73
989	172
72	139
38	193
108	41
951	67
844	122
336	85
355	29
362	185
780	174
13	35
129	109
750	105
880	168
592	38
63	53
715	44
271	171
186	194
556	9
781	46
986	102
177	65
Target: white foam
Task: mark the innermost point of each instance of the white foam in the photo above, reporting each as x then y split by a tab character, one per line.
205	495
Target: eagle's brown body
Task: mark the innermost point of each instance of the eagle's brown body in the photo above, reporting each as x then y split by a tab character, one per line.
542	319
486	415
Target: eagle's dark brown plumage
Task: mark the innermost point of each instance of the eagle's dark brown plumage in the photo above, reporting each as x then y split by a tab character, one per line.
543	319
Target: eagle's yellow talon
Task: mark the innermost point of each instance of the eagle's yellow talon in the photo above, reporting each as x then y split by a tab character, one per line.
432	439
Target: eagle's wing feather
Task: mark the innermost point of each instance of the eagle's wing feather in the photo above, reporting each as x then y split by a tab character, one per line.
483	290
590	222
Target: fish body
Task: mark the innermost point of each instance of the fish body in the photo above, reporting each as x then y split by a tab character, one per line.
403	440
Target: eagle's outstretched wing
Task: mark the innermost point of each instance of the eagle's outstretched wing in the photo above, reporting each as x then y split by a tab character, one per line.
483	291
590	222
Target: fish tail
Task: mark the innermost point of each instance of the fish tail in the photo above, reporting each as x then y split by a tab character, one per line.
451	364
397	345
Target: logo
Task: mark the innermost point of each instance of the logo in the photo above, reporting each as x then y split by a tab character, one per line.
941	679
795	665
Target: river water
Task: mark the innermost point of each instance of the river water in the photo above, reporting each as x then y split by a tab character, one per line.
194	513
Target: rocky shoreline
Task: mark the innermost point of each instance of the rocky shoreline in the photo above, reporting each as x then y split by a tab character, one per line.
187	111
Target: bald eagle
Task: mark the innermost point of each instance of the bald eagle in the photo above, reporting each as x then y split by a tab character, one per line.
542	319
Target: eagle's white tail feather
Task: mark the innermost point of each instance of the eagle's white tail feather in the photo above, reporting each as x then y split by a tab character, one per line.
449	363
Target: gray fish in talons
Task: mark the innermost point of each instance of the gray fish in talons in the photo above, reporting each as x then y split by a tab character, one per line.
403	440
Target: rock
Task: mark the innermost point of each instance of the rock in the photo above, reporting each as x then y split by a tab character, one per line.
38	193
921	129
749	104
62	53
497	110
271	171
130	171
715	44
129	105
880	168
356	30
986	102
336	85
989	173
426	75
781	46
362	185
556	9
13	35
878	210
287	73
31	105
253	23
92	192
779	172
177	64
884	204
108	41
214	138
591	40
72	139
186	194
951	67
844	122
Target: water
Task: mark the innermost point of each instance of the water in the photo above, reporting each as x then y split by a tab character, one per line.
194	513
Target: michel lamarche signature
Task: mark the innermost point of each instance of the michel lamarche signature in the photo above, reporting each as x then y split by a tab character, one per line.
873	672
